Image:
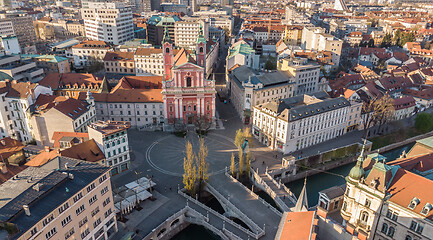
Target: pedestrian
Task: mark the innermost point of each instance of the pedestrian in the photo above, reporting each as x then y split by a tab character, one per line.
170	188
263	162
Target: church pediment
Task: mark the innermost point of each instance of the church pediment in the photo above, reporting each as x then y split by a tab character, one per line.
188	65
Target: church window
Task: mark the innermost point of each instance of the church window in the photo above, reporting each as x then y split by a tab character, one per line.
188	81
201	49
167	50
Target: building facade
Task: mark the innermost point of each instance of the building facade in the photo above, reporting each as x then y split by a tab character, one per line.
112	139
119	62
187	31
295	123
149	61
108	22
305	74
89	52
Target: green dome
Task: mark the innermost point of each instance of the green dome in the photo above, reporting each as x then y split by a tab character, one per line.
357	172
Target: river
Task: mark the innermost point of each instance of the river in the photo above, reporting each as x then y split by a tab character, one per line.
336	176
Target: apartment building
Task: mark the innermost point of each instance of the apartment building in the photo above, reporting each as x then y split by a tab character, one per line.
119	62
6	28
16	99
64	198
52	114
382	202
136	99
89	52
306	75
112	139
156	26
298	122
108	22
315	38
49	63
187	31
148	61
14	67
248	89
22	26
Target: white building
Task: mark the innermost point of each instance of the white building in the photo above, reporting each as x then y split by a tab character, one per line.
315	38
16	99
148	61
187	31
89	52
14	67
10	44
109	22
112	139
298	122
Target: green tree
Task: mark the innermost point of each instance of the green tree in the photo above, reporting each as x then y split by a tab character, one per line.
189	168
386	41
270	64
424	122
397	37
239	138
371	42
232	165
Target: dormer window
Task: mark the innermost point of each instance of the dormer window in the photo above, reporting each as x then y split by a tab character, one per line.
415	201
426	209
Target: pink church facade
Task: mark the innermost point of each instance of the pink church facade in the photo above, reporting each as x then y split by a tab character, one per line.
187	95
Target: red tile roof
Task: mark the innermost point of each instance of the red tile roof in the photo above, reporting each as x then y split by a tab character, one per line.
421	163
119	56
73	108
130	96
406	185
296	226
93	45
59	135
86	151
69	80
9	147
403	102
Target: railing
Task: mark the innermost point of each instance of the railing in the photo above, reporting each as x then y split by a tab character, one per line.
208	226
271	192
169	219
236	210
224	218
255	195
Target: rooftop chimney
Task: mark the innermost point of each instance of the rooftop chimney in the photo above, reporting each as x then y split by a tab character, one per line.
26	210
3	167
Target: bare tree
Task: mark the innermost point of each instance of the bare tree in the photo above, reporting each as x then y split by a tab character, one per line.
202	123
377	111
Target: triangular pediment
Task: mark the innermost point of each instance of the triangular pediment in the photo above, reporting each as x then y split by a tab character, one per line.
188	65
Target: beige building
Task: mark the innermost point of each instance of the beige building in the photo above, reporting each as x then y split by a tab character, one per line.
61	114
390	201
119	62
148	61
50	63
305	74
22	26
315	38
67	199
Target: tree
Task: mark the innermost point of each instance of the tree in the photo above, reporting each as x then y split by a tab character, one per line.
397	37
386	41
239	138
376	111
232	165
424	122
271	64
202	165
384	110
202	124
189	168
248	162
227	35
241	161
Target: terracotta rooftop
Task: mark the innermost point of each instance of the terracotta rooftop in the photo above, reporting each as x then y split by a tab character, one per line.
421	163
93	44
72	108
57	136
110	127
406	186
9	147
296	226
119	56
16	89
70	80
139	82
130	96
148	51
86	151
43	157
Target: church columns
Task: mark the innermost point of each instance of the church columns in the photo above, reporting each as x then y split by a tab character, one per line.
180	108
176	108
213	107
199	112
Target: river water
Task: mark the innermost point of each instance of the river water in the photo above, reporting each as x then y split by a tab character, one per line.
315	184
336	176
